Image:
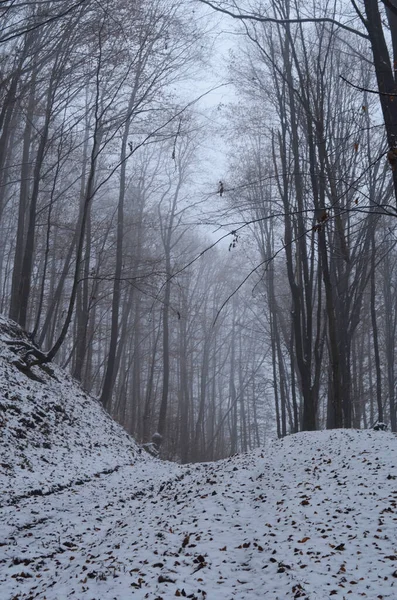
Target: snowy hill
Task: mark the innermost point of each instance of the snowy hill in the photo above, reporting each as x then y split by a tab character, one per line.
84	516
314	517
51	432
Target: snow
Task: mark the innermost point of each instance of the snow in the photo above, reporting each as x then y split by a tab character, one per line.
51	432
312	516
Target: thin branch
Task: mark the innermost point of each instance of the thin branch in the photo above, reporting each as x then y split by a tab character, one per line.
359	13
42	23
261	19
151	135
363	89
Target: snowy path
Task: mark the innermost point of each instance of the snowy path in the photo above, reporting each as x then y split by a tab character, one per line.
316	517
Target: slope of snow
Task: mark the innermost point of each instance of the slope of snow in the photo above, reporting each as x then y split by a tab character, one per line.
314	516
84	515
51	432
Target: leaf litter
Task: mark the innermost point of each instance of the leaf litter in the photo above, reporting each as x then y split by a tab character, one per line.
87	515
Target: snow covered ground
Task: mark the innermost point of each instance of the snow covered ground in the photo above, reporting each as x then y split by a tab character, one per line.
51	432
313	516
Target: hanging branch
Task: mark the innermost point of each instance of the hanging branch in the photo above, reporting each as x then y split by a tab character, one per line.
364	89
275	20
175	140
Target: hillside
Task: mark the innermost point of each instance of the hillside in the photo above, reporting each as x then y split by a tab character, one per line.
312	516
51	432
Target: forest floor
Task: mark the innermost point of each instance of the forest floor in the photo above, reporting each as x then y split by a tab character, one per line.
312	516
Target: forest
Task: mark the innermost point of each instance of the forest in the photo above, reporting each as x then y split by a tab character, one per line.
215	307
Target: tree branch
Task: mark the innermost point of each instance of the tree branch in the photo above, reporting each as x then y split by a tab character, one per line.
262	19
390	6
363	89
51	19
